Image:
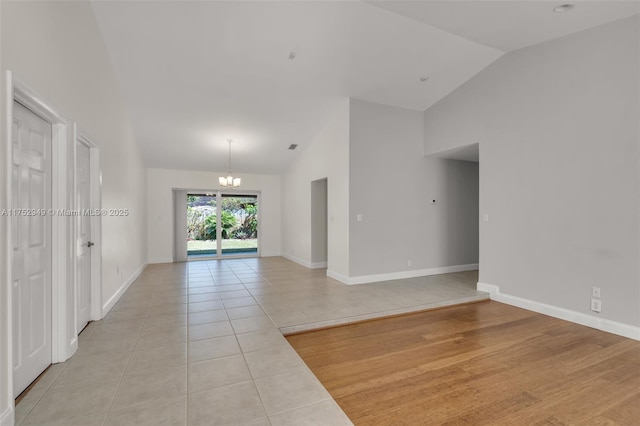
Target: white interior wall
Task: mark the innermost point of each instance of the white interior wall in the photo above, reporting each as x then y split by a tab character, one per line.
160	220
392	186
326	156
558	130
56	50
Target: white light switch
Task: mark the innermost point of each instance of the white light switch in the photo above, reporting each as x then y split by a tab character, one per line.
359	217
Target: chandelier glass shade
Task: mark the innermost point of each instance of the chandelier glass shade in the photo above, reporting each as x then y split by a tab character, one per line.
229	181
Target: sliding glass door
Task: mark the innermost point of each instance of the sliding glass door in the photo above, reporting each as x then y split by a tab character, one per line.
201	225
222	224
239	224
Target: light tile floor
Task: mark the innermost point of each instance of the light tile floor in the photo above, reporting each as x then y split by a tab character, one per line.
201	343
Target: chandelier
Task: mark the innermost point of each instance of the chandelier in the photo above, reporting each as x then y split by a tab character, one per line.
229	181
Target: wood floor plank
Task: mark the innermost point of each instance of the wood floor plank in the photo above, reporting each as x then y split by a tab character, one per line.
478	364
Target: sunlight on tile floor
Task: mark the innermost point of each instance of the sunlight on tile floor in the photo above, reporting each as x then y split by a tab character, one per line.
200	343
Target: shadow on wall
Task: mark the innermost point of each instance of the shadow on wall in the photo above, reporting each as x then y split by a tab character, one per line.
319	226
460	210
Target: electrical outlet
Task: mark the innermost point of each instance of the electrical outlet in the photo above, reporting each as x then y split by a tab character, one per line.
595	292
409	262
596	305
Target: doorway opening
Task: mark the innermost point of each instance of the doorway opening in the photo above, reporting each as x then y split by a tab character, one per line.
461	180
221	225
319	225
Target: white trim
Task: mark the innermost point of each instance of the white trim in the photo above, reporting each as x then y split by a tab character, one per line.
6	308
614	327
96	231
298	260
305	263
337	276
365	279
125	286
7	418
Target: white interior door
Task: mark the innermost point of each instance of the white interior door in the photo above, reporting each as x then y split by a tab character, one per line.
84	243
31	240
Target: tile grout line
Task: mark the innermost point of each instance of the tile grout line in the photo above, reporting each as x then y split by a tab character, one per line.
245	360
186	410
330	398
46	389
227	276
124	372
264	408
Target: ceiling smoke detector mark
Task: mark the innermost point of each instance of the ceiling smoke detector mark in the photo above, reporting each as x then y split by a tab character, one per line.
292	55
293	146
424	78
563	8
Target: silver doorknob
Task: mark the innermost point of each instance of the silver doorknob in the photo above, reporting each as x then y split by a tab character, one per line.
89	244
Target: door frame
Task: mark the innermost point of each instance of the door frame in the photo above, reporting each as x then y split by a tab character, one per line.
63	343
95	201
219	193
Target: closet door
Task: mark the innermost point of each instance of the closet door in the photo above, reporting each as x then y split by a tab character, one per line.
31	254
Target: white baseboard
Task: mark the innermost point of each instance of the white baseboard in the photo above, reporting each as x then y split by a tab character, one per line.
7	417
305	263
159	260
614	327
339	277
124	287
365	279
298	260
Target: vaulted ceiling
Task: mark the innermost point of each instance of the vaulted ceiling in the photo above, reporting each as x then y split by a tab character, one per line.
268	74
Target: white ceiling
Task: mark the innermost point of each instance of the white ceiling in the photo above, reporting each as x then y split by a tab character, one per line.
194	74
509	25
465	153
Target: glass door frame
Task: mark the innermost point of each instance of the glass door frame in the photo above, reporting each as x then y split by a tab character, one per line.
218	194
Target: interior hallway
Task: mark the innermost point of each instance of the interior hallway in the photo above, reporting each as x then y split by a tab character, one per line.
201	343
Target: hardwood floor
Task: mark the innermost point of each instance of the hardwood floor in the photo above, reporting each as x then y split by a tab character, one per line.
478	364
